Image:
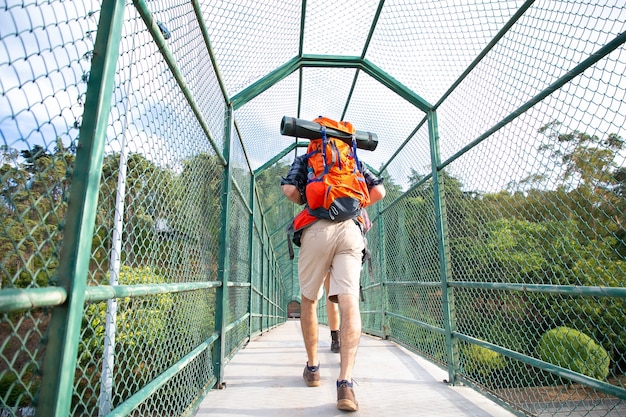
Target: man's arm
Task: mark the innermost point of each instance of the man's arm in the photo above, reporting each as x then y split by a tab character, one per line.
377	193
292	193
294	184
375	185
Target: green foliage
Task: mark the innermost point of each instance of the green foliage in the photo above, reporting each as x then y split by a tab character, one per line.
12	392
33	192
268	183
574	350
480	361
139	321
601	317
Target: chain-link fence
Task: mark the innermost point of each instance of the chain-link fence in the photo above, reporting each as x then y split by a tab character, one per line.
121	291
143	229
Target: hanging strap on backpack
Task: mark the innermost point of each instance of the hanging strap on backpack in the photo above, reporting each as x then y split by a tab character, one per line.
324	143
356	158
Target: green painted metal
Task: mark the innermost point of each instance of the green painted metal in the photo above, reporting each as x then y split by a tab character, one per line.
302	23
107	292
602	386
221	296
444	250
494	41
207	43
14	299
382	266
238	284
237	322
396	86
63	332
329	61
430	327
574	72
370	33
241	195
424	284
276	282
251	256
592	291
153	386
247	94
158	38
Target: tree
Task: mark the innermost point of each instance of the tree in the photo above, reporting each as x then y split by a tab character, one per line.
592	179
33	195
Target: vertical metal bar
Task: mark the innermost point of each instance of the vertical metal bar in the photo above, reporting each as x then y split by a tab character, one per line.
444	249
64	330
251	257
382	265
108	355
221	297
265	273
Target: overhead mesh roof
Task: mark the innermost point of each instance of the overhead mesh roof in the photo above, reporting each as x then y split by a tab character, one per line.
477	55
500	127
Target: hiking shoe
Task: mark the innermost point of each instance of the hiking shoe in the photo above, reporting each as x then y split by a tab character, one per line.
334	341
311	375
346	400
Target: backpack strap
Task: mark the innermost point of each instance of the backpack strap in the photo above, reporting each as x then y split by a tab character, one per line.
324	143
356	158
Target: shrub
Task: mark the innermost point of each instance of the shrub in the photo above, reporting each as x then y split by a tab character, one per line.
481	361
574	350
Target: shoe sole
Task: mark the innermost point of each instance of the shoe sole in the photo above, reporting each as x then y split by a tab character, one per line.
312	383
347	405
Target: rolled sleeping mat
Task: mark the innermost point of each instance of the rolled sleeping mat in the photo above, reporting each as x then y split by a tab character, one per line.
300	128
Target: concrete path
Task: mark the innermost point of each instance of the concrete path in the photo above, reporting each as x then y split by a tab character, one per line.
265	379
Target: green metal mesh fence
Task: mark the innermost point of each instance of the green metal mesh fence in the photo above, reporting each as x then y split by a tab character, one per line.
143	229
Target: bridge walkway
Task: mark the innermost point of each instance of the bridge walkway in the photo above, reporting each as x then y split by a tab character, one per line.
265	379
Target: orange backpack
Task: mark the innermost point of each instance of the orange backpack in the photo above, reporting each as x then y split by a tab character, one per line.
336	189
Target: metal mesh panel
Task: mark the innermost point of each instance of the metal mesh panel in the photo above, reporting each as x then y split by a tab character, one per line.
498	252
237	29
180	394
239	231
412	39
259	122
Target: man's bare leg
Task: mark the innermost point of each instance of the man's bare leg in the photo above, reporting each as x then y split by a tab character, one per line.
332	313
350	334
308	323
332	309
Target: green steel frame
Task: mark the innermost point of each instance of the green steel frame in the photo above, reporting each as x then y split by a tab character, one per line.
71	293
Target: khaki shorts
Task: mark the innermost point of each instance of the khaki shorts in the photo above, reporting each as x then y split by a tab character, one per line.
335	247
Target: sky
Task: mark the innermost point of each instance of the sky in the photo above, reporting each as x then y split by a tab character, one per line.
43	66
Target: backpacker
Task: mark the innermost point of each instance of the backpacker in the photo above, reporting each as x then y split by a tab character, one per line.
336	189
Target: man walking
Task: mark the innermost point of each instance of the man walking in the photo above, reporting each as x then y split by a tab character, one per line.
334	247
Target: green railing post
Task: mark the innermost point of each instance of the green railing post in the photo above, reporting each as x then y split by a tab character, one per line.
221	296
63	333
447	299
251	259
382	264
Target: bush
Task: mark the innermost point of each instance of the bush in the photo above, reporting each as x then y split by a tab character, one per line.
481	361
574	350
13	392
